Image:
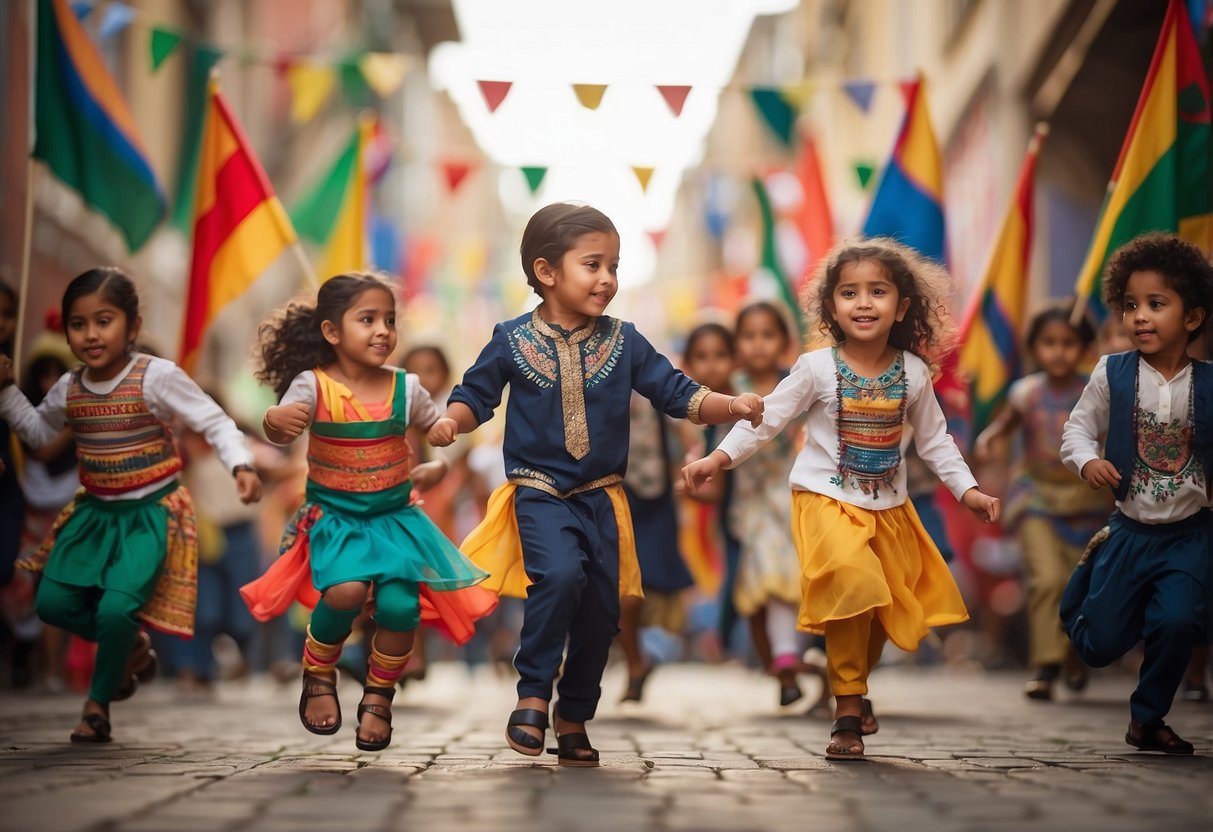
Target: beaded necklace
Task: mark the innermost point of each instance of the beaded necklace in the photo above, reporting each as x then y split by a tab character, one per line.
870	415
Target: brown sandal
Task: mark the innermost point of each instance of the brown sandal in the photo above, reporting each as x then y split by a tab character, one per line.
384	712
846	725
316	685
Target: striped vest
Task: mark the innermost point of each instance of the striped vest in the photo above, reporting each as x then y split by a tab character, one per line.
121	444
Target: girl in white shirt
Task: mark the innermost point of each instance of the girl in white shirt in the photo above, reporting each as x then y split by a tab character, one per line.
869	571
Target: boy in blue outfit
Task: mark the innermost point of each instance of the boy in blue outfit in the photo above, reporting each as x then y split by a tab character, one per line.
1147	575
559	532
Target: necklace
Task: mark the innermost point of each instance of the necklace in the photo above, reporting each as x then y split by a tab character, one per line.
870	415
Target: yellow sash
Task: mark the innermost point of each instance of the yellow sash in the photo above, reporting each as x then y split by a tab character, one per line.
496	547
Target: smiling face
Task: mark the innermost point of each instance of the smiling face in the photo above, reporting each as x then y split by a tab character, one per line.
581	286
1154	315
367	333
100	335
865	302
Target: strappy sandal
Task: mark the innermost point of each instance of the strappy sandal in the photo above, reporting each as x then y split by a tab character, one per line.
868	715
384	712
141	666
316	685
101	729
520	740
569	747
1152	739
847	725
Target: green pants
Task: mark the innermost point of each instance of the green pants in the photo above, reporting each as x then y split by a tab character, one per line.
106	616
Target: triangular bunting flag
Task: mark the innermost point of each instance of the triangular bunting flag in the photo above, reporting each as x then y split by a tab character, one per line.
494	93
675	97
657	236
534	177
863	172
384	71
590	95
908	87
861	92
454	172
311	85
162	44
776	111
643	175
798	94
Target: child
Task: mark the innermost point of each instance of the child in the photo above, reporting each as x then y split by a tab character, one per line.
358	527
562	515
869	571
125	548
1147	575
765	579
1053	512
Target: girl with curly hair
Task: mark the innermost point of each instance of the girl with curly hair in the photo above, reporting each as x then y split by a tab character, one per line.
359	527
869	571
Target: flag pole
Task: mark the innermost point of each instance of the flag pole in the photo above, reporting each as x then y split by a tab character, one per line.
309	274
31	179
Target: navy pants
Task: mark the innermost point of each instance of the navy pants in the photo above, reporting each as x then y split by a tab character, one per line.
570	549
1146	582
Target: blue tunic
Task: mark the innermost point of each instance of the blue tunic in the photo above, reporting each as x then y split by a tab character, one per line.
615	359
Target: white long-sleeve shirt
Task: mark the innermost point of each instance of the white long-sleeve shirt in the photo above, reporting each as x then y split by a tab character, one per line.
1155	495
169	394
813	386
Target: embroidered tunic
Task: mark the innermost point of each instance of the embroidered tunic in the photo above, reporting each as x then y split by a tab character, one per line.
857	430
1167	483
567	416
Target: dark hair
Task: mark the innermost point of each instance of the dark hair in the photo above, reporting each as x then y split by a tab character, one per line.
703	331
291	341
1184	265
32	378
553	230
781	322
1059	313
927	330
111	283
421	349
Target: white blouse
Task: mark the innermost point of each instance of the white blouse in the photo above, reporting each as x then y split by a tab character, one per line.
813	386
170	394
1156	495
422	410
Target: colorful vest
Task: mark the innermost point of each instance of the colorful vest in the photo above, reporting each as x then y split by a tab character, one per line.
870	418
1120	448
362	465
120	443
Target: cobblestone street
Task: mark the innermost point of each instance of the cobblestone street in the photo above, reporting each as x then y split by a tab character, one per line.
707	750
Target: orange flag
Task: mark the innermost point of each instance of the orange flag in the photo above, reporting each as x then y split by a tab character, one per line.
240	226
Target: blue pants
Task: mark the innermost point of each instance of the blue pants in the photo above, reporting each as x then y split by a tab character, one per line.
1146	582
570	549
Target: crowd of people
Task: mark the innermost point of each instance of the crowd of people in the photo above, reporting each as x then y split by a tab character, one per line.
791	500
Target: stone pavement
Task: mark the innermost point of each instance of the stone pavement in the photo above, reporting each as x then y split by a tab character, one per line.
706	751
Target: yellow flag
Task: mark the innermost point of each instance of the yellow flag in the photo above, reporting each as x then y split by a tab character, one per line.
311	85
346	251
643	175
384	71
590	95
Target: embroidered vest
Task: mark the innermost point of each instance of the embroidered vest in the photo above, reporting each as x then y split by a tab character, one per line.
120	443
1120	447
361	456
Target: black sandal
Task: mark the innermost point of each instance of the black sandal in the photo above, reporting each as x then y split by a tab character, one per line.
847	725
1152	739
101	729
384	712
141	666
316	685
569	747
520	740
865	706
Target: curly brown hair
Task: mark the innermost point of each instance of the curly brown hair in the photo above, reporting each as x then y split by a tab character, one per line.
291	341
1186	268
927	330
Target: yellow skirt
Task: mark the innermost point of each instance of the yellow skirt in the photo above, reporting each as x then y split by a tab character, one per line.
496	547
853	560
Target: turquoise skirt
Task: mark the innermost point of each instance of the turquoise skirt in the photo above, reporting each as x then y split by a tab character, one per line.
372	539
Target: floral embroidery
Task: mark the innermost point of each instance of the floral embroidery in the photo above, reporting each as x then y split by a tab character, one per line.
871	412
1164	457
534	355
601	351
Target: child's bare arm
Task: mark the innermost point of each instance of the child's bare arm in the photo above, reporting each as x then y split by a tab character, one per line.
1007	420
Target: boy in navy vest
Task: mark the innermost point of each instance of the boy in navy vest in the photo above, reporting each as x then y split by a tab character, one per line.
1147	575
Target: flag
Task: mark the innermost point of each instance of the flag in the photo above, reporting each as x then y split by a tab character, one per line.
333	213
990	334
86	134
908	205
1162	180
770	251
814	219
240	226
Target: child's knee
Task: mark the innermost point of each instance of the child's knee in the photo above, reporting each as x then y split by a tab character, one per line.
563	578
398	610
347	596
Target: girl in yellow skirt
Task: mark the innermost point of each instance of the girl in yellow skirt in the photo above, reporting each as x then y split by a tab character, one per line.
869	571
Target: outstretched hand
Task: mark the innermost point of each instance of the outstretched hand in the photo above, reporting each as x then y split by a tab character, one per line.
702	471
987	508
288	420
443	432
748	406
